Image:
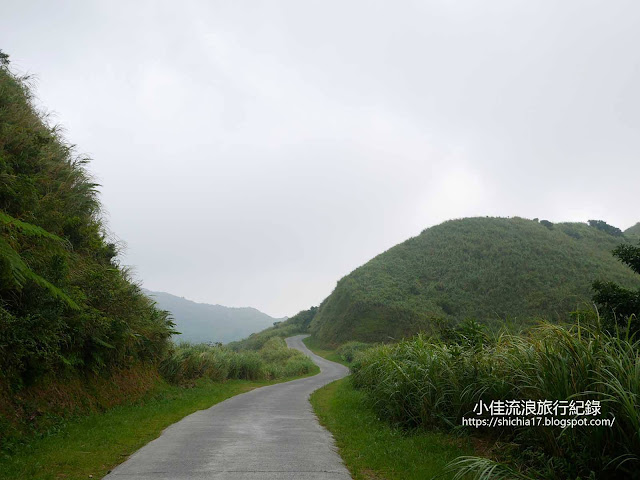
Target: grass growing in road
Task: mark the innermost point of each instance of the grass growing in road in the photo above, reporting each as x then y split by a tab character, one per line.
94	444
371	449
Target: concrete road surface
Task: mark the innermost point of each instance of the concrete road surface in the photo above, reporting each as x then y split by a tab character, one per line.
265	434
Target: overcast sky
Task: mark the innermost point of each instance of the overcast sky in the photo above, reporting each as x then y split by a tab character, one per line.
251	153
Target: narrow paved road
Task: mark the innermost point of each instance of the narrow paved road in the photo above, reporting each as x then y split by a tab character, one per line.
265	434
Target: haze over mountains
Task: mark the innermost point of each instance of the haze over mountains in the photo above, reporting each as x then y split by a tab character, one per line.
202	322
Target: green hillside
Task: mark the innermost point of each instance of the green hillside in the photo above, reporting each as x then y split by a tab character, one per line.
201	322
67	309
633	231
490	269
299	323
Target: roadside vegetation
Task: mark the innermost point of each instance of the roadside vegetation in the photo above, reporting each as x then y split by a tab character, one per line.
372	449
429	383
189	362
76	334
67	307
295	325
79	341
330	354
420	383
91	445
52	404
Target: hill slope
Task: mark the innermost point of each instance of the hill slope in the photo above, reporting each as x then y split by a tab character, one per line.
76	334
633	231
202	322
484	268
66	306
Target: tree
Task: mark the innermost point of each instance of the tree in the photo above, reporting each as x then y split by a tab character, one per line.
618	305
547	224
606	228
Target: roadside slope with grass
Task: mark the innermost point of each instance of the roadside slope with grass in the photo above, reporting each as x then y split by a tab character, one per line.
190	378
93	444
72	322
373	449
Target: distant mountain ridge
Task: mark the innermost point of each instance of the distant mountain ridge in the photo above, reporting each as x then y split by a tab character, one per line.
203	322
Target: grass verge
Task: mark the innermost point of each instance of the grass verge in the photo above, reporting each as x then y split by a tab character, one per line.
94	444
313	345
371	449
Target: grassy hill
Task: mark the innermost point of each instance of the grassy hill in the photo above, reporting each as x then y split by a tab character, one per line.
299	323
489	269
201	322
633	231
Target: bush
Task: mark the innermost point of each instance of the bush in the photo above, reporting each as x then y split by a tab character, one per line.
349	350
67	307
188	362
420	383
620	306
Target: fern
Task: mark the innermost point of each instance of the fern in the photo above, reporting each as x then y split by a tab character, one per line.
18	271
28	229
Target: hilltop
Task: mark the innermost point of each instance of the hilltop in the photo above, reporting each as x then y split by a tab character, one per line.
202	322
489	269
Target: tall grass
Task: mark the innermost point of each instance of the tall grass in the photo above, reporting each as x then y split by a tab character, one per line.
349	350
188	362
420	382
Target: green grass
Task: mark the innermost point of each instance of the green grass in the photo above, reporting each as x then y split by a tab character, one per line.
273	360
425	383
490	269
94	444
66	302
633	231
295	325
330	354
371	449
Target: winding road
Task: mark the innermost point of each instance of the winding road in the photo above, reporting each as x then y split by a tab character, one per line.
266	434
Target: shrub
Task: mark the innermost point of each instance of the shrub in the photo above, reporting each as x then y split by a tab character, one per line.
349	350
620	306
420	382
188	362
66	305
